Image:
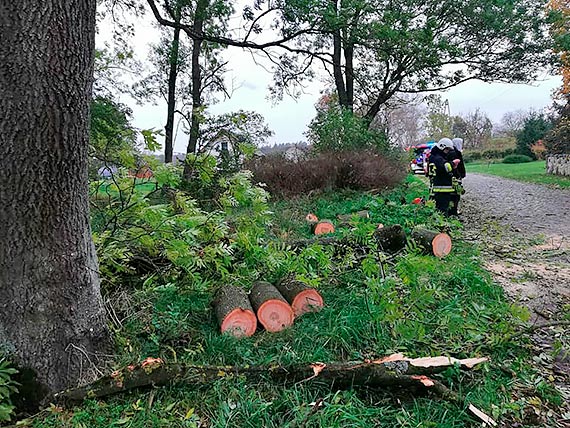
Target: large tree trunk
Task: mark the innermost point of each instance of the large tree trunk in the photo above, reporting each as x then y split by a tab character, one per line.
52	319
196	86
172	76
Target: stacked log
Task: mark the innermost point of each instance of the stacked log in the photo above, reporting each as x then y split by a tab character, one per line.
234	311
273	311
301	297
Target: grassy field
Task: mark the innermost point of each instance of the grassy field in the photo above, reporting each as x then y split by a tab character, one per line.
531	172
376	305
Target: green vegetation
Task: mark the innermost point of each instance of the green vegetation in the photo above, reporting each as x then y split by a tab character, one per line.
7	388
531	172
375	305
517	159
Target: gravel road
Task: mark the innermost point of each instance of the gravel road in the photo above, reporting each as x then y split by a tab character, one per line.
525	206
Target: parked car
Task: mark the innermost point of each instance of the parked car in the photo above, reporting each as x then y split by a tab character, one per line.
420	153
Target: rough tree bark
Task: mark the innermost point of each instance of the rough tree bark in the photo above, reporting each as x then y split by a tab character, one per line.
172	76
52	319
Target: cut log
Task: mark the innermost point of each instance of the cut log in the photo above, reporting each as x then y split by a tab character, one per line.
393	371
348	217
436	243
300	296
234	311
273	311
311	218
322	227
390	239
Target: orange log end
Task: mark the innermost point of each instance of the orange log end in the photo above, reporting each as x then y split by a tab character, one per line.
307	301
441	245
240	322
275	315
311	218
323	227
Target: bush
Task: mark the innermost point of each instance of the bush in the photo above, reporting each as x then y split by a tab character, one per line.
356	170
517	159
337	130
557	141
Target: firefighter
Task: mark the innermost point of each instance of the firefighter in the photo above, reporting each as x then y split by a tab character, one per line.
440	171
456	158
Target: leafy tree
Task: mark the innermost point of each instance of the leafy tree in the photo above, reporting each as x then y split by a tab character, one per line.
338	129
438	121
378	48
169	78
535	128
234	135
52	318
113	139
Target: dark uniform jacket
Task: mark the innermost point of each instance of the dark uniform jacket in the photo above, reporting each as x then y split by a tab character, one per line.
458	172
439	169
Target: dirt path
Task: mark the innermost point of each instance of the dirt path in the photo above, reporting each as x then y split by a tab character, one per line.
523	230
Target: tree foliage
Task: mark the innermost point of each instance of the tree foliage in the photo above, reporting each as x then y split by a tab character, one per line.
378	48
113	140
535	128
337	129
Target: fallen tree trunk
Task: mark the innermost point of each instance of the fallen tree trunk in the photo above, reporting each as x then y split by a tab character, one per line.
300	296
234	311
273	311
390	239
393	371
435	243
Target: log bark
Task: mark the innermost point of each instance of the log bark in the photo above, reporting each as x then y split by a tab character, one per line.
392	371
273	311
348	217
435	243
391	239
234	311
301	297
52	318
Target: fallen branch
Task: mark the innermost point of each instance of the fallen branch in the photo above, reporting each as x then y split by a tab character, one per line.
395	370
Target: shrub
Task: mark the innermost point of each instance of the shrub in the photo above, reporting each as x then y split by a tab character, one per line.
356	170
7	388
337	129
517	159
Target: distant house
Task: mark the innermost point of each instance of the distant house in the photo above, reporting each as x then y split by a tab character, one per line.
106	172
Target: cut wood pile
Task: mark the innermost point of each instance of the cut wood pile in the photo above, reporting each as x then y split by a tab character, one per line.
390	239
275	307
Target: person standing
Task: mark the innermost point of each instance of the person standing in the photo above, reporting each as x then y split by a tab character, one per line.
456	158
440	172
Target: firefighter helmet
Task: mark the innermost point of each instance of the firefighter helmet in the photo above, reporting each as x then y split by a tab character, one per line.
444	143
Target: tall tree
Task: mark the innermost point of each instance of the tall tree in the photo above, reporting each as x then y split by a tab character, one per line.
52	319
378	48
478	129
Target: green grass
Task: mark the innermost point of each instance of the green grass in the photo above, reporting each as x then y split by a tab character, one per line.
412	303
531	172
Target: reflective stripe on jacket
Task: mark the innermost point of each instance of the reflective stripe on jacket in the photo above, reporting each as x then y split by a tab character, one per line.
443	189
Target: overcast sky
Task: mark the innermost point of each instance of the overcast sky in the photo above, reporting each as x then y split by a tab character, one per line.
289	118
